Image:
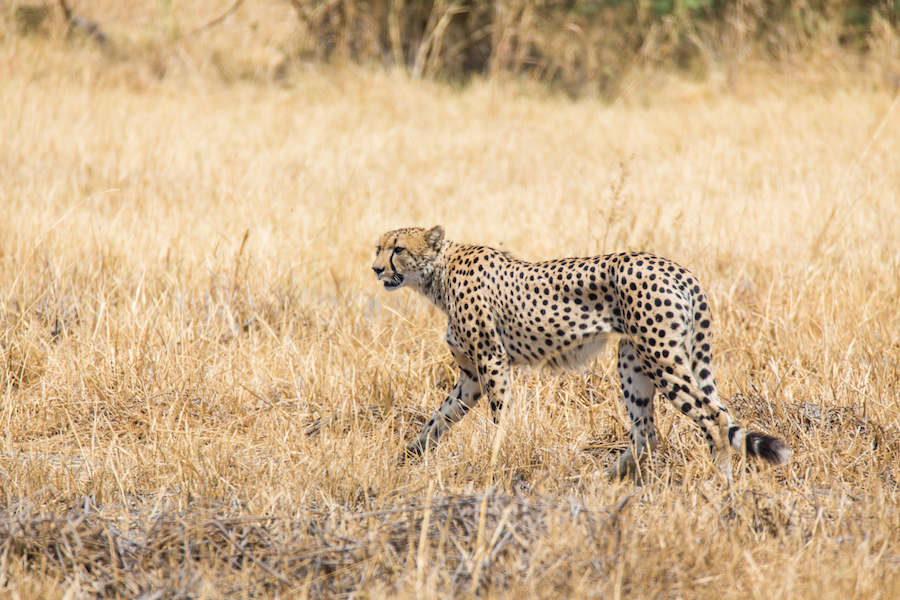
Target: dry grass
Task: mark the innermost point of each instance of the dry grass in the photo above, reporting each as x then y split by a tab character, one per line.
203	385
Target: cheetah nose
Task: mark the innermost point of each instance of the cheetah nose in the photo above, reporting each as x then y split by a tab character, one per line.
378	270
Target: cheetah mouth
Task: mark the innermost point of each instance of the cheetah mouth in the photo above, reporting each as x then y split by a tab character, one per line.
394	282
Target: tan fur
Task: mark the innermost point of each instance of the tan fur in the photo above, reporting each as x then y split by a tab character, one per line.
560	314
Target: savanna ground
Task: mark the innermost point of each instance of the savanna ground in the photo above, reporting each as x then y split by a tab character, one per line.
203	386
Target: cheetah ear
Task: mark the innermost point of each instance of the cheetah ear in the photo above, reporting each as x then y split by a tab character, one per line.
435	236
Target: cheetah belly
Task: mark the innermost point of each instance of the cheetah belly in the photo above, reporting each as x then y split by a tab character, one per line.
560	349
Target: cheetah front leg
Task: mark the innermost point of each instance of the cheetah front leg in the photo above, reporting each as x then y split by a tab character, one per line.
490	376
459	402
462	398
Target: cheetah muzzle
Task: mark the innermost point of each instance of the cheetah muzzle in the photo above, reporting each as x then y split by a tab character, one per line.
560	314
395	282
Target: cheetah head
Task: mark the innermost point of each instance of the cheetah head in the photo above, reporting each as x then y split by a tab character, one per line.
406	256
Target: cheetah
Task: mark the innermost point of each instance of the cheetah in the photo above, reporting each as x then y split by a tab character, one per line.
559	314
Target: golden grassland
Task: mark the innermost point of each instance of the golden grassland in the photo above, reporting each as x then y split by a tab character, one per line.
203	386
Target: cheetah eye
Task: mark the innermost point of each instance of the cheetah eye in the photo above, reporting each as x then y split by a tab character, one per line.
399	250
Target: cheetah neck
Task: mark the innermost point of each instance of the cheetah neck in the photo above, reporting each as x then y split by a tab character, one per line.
433	284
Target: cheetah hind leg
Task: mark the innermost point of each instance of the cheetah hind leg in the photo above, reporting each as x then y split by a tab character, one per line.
629	466
637	392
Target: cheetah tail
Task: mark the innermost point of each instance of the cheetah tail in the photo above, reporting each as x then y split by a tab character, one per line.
759	445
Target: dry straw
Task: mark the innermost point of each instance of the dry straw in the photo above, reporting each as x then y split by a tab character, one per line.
202	386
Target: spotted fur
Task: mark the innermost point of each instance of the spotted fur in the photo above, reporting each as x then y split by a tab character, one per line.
560	314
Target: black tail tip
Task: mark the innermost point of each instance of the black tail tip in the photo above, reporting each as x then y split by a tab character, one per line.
769	448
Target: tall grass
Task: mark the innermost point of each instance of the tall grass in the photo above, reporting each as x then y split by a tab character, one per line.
587	46
202	386
584	48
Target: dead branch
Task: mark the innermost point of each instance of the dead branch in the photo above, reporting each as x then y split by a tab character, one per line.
233	9
80	24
